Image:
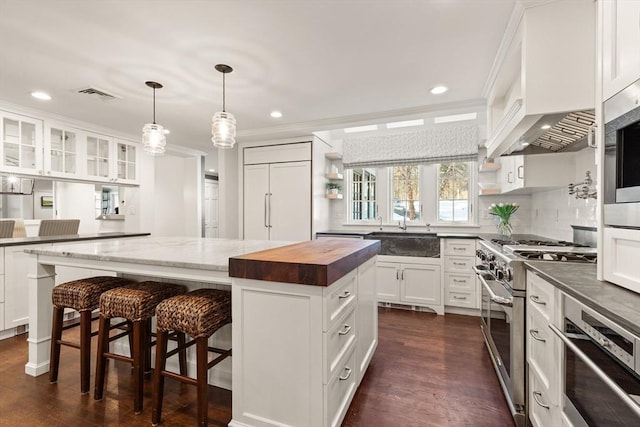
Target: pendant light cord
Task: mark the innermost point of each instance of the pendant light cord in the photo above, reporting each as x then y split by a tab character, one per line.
154	105
223	92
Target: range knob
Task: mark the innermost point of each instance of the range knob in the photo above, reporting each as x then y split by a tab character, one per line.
499	274
491	266
491	257
508	274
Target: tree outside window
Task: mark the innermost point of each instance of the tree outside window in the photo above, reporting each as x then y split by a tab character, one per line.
453	192
406	192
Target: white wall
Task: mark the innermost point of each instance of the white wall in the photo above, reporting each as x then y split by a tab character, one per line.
230	191
556	210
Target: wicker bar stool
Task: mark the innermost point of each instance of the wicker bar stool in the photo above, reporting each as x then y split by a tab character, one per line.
83	296
199	314
137	304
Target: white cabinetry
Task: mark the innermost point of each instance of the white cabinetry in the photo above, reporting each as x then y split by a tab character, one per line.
62	151
460	282
277	192
2	289
410	280
329	333
21	144
525	174
543	351
125	169
547	67
620	23
621	253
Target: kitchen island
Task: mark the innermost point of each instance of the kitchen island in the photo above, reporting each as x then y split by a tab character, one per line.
301	343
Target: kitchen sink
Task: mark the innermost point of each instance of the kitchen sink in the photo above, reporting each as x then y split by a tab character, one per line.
407	244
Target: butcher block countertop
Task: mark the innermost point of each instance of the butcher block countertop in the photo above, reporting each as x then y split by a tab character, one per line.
317	262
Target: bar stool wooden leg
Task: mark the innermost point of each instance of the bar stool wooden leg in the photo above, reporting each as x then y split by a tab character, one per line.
158	378
139	346
56	336
182	355
202	355
101	362
85	350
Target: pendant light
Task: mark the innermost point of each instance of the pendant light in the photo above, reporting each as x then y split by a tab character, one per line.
153	135
223	126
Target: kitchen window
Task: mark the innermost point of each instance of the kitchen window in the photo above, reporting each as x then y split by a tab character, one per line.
439	194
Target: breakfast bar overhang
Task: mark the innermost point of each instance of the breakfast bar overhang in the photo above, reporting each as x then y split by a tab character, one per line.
304	315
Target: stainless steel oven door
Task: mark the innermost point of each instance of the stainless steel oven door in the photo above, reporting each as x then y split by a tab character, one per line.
599	390
503	330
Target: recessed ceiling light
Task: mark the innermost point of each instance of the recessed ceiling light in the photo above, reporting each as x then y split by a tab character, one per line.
212	170
438	90
276	114
361	128
545	127
41	95
455	118
406	123
524	144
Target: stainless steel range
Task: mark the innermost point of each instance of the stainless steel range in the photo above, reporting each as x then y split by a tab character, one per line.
500	268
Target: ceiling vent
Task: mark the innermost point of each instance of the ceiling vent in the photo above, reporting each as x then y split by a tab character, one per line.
100	94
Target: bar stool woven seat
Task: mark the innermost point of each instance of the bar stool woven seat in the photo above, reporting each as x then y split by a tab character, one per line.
137	304
199	314
82	295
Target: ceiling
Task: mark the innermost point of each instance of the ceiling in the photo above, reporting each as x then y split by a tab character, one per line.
324	64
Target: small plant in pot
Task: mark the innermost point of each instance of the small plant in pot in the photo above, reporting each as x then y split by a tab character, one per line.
334	188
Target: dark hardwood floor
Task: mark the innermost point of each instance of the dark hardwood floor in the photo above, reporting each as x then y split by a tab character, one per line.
428	370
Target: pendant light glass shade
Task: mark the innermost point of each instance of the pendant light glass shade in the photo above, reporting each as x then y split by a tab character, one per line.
223	129
154	140
223	126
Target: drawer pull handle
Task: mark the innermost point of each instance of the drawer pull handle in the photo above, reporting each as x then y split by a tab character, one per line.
537	397
459	281
536	335
537	300
460	298
347	329
459	249
461	264
347	375
346	294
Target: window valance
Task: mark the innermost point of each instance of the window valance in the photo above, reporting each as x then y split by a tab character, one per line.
436	145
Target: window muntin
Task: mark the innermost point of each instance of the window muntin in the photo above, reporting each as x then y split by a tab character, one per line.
405	192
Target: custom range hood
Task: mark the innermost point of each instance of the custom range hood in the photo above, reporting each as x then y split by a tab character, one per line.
555	133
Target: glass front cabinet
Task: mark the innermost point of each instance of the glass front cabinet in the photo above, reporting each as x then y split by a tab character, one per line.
61	152
21	147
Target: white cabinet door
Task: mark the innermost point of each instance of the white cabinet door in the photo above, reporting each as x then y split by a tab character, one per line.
99	157
507	175
256	200
61	151
387	281
17	285
124	167
290	201
367	315
211	196
420	284
21	144
620	21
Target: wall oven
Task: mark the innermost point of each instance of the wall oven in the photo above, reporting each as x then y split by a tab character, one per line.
622	157
601	369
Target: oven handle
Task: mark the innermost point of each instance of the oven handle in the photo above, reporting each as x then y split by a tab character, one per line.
608	381
495	298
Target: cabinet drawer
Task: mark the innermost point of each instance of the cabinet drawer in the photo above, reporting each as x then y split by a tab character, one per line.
460	282
461	299
1	316
339	392
456	263
2	289
541	344
541	410
2	261
338	341
338	299
464	247
540	296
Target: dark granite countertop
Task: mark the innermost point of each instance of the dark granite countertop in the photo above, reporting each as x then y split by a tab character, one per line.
452	235
579	281
15	241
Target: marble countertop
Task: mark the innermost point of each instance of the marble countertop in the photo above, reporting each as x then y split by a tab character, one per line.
15	241
579	281
183	252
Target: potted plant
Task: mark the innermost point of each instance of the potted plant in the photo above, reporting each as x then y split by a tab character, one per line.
334	188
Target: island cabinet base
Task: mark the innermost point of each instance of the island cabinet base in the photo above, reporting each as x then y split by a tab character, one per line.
300	351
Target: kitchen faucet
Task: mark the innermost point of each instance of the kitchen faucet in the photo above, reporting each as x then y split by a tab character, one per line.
403	227
380	218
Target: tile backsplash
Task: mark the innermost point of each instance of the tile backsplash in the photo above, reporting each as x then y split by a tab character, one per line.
555	211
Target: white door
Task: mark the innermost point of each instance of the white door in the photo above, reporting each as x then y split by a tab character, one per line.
387	281
256	195
289	209
420	284
211	191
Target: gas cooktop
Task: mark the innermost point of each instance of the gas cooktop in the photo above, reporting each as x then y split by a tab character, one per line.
548	250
